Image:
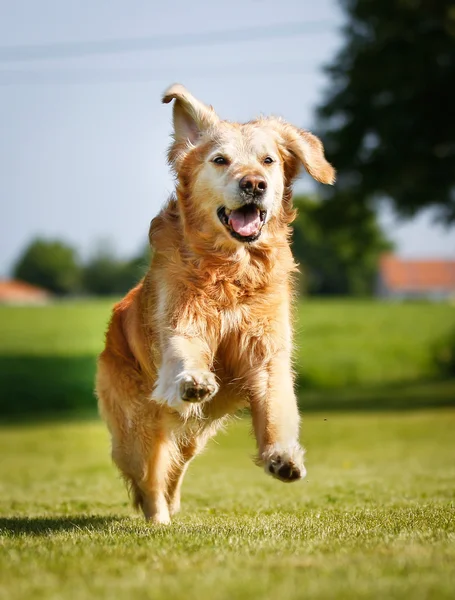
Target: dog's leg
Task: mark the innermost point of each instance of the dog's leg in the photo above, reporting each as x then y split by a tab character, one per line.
141	454
184	375
146	469
154	483
174	486
187	452
276	420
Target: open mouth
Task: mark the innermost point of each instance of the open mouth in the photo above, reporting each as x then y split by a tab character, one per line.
245	223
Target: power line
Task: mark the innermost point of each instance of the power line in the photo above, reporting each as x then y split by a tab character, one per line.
102	76
160	42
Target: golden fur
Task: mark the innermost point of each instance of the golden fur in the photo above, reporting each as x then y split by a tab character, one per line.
208	330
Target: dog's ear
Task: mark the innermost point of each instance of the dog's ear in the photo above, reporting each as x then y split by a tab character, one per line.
191	117
305	148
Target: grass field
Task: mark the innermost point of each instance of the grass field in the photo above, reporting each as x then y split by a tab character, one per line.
375	517
350	354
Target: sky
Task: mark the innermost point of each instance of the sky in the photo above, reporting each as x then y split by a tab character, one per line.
83	137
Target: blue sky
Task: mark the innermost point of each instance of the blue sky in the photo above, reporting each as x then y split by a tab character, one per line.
83	139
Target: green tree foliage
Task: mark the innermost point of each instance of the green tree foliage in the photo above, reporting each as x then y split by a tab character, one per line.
444	354
389	116
106	275
50	264
336	260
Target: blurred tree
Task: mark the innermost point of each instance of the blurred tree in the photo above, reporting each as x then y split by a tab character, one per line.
50	264
389	117
106	275
336	260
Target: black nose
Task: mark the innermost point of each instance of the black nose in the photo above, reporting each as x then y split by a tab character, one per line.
253	185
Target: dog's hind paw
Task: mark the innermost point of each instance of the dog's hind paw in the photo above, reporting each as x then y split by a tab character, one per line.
285	464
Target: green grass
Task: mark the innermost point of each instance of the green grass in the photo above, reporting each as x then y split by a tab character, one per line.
350	343
374	519
61	329
358	354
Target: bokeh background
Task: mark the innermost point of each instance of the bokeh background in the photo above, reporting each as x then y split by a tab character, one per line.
83	137
82	163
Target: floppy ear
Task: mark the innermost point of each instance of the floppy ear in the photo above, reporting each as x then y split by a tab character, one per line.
307	149
191	117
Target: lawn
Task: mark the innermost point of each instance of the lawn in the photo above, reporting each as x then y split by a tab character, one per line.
375	517
358	354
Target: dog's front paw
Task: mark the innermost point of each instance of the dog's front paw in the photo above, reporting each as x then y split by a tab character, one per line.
197	386
286	464
178	390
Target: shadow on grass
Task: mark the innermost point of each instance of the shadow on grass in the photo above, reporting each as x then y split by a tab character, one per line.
399	396
46	384
18	526
38	388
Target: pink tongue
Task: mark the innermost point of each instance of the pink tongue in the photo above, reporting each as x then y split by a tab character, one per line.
245	223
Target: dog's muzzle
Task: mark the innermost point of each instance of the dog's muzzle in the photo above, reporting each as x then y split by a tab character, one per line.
244	223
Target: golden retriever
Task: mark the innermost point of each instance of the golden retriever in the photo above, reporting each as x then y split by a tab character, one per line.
207	331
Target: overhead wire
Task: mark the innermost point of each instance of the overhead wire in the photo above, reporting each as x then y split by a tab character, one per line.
134	75
64	50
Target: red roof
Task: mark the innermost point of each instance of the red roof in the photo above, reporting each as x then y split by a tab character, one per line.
417	275
18	291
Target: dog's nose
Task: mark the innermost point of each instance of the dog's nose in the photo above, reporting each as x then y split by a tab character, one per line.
253	185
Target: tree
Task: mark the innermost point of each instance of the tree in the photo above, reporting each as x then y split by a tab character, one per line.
388	120
51	264
336	260
106	275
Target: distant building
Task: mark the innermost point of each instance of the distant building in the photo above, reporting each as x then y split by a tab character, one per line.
19	292
403	279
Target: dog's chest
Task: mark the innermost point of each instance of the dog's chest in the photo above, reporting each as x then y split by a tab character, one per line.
249	336
248	320
231	320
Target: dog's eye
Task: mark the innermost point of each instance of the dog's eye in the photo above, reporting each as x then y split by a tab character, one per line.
268	160
220	160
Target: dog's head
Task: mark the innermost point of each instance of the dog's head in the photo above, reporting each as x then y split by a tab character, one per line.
235	180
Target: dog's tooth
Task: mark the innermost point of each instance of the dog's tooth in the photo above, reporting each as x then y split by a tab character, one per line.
227	211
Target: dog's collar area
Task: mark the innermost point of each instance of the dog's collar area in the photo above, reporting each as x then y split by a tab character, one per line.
250	211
